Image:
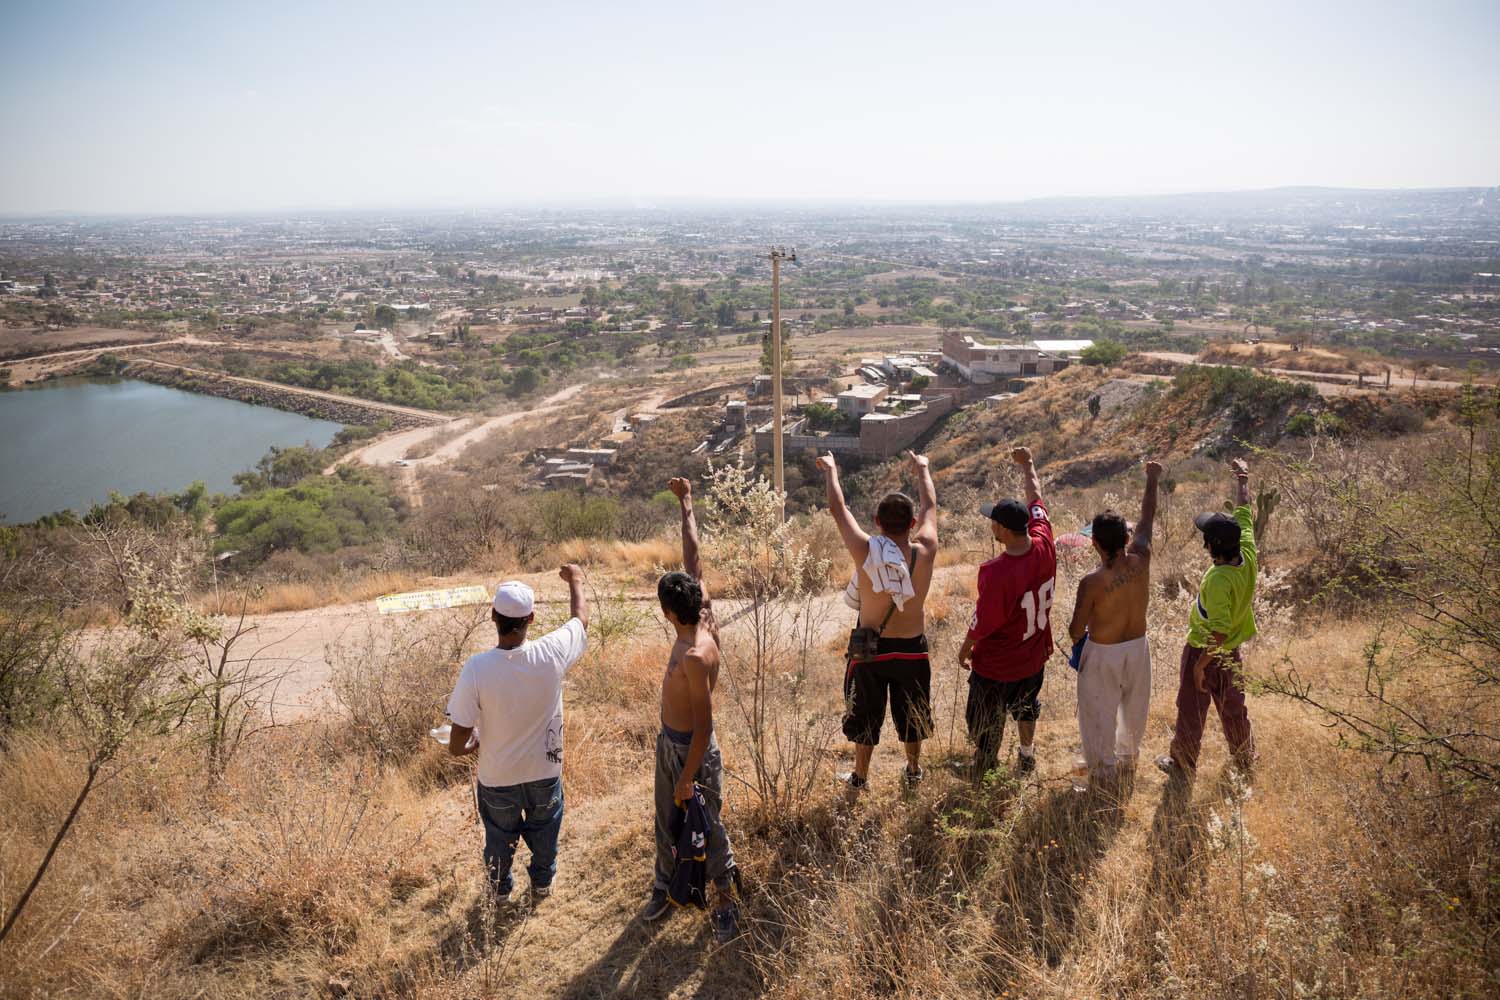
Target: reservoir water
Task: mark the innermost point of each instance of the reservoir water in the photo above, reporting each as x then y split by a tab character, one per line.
70	442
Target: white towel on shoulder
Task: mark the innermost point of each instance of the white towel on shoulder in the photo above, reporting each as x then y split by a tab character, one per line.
886	567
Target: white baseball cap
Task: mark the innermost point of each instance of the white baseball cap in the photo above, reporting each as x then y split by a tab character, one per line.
514	599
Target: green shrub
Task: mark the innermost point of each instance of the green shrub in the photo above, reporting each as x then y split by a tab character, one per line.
318	514
1302	425
1254	393
1103	352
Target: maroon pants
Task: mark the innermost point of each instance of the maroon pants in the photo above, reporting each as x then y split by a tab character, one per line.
1192	709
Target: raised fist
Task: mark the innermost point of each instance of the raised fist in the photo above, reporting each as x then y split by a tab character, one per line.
571	572
1153	470
827	464
1021	455
680	487
1240	467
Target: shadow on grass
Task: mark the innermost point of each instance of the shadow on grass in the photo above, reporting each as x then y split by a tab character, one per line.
640	962
1179	863
1056	843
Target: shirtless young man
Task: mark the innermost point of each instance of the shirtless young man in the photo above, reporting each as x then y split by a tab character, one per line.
1114	672
900	671
686	751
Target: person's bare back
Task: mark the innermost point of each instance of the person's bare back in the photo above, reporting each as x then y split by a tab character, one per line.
1117	596
909	620
1112	600
916	534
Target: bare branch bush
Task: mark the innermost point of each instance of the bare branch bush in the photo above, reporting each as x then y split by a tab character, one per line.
1426	554
32	646
228	685
770	566
120	685
392	682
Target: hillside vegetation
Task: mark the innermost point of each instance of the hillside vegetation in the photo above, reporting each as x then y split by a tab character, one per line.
219	851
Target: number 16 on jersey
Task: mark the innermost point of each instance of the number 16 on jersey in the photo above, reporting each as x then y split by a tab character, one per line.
1037	604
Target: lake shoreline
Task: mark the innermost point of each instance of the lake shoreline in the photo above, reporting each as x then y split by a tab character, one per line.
320	405
71	443
287	399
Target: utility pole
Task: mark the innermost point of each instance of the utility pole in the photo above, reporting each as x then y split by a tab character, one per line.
778	475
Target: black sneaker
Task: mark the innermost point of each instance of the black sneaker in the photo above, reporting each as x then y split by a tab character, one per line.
541	891
726	924
854	782
1025	763
911	779
657	906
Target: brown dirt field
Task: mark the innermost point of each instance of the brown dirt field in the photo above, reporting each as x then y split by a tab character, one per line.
34	340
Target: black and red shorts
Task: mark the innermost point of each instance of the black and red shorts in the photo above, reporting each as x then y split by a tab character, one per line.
900	674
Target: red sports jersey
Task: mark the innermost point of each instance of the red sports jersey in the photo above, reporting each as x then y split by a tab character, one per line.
1012	626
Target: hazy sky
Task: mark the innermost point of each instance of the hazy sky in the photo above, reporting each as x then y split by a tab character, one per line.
218	106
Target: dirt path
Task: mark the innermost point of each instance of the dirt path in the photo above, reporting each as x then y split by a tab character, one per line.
587	940
36	367
388	342
1327	383
452	449
408	411
619	418
297	643
391	449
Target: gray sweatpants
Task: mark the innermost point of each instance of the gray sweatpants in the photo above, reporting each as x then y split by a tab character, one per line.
670	756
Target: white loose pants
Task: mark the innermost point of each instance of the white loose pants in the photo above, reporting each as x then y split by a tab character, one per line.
1114	695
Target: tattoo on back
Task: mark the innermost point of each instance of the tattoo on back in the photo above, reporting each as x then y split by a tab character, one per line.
1122	579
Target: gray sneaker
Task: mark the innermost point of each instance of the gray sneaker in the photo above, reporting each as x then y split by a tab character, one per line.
657	906
726	924
1167	764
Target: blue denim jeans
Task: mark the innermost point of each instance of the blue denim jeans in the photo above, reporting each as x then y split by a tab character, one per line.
532	810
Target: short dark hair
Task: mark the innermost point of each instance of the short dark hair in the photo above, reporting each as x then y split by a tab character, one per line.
1221	534
681	595
507	624
1222	548
1111	531
895	513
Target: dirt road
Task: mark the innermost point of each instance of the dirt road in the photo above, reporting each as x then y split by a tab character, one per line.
298	643
39	366
1327	383
369	404
392	448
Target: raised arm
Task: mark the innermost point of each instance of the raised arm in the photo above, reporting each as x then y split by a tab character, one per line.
578	607
1140	542
1241	482
1021	455
926	498
855	540
683	490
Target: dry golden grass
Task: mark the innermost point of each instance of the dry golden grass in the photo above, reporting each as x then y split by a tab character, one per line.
304	596
644	558
312	868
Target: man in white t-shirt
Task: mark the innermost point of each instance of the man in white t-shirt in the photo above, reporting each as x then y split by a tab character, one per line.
509	700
